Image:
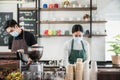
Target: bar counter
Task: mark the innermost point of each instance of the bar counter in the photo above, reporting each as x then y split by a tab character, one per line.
108	72
8	56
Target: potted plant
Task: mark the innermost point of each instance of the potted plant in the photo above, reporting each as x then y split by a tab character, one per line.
115	47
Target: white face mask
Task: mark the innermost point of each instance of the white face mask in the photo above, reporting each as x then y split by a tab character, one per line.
14	33
78	38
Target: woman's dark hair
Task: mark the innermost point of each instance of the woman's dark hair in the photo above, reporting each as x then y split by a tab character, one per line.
76	28
10	23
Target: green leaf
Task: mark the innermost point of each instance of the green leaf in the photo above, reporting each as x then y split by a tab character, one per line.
115	44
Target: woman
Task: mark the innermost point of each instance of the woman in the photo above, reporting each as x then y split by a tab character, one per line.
76	47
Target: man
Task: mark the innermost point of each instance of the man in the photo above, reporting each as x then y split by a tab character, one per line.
19	39
76	47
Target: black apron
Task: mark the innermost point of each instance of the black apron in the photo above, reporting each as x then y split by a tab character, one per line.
74	54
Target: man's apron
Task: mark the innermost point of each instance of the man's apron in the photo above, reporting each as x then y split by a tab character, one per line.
20	44
74	54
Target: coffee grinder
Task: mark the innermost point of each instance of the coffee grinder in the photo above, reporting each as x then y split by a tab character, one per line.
35	67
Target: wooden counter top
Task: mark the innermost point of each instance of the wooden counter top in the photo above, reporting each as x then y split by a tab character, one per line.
8	56
108	71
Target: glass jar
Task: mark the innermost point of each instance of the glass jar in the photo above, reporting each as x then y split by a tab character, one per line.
49	75
26	75
60	75
37	76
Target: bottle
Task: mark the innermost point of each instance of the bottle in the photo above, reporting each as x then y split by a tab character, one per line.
69	72
79	69
93	70
86	70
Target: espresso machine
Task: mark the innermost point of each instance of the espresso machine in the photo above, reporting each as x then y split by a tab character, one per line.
35	67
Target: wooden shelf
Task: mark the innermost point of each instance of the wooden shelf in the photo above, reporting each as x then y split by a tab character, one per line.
69	22
68	9
99	35
99	21
60	9
69	35
29	9
55	36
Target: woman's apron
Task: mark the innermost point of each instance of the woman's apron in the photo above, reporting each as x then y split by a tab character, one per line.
74	54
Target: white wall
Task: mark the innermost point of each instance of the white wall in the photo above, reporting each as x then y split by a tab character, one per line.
54	45
111	12
97	49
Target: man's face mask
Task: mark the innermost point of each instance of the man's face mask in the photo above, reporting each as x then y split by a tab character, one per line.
14	33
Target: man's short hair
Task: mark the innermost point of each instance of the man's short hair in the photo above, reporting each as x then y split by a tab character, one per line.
10	23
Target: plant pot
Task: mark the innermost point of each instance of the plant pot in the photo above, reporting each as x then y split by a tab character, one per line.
115	60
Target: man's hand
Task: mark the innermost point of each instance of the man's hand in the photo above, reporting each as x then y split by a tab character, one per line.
21	51
29	60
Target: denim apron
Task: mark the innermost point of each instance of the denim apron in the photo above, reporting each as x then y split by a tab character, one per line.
74	54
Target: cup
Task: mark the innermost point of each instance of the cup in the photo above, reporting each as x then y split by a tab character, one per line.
50	5
67	32
62	19
53	32
49	32
62	32
45	6
79	5
74	5
58	32
71	19
78	19
54	19
46	32
56	5
87	32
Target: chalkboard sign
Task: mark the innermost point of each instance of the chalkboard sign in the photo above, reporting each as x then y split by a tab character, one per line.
4	16
27	19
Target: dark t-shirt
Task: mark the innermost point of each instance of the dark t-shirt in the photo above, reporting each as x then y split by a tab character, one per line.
29	38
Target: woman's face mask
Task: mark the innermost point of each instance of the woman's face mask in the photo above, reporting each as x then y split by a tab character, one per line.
14	33
77	38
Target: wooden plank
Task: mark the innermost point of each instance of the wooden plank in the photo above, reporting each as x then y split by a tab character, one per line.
68	9
28	8
69	22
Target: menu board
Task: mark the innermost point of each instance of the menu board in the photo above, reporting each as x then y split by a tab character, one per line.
27	20
4	16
